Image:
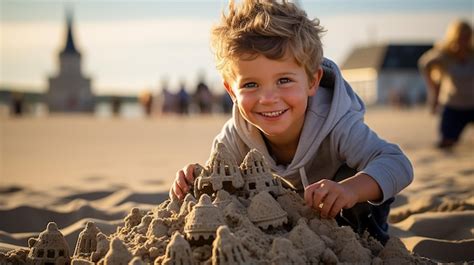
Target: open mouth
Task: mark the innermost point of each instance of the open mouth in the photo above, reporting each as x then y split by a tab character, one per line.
273	114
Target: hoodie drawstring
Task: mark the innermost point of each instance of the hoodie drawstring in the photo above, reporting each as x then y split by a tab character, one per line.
304	179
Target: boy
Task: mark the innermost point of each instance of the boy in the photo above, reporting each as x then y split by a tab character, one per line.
297	110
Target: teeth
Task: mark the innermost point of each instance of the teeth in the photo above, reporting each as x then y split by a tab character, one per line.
273	113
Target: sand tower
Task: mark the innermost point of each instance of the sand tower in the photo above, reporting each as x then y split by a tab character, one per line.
142	228
258	176
264	211
227	249
157	228
188	202
223	198
283	252
118	253
178	251
87	241
49	248
203	221
103	246
133	218
305	239
222	173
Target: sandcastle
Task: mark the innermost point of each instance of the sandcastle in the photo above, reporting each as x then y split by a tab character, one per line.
234	215
49	248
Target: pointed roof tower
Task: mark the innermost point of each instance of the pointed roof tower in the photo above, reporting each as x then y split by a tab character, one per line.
69	47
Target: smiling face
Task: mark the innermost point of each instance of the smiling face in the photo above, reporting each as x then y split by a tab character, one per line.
273	95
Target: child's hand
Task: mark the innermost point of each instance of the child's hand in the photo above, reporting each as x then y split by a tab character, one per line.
184	178
330	197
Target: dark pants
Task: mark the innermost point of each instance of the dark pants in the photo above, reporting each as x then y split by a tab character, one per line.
453	122
364	216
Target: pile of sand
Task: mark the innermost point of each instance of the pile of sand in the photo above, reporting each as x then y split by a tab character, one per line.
158	238
258	222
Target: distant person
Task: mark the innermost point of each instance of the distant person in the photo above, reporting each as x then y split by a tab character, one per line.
183	100
448	69
293	105
146	99
116	105
17	104
167	100
203	97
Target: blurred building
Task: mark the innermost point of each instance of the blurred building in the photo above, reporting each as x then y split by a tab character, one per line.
386	74
69	90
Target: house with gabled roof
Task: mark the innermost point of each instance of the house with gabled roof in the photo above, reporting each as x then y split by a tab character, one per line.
386	73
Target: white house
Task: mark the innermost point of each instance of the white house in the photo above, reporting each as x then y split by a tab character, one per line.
386	74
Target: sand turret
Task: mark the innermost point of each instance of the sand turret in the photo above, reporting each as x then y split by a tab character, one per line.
203	221
188	202
49	248
118	253
87	241
136	261
258	176
305	239
283	252
133	218
178	251
103	246
222	173
142	228
222	199
264	211
157	228
227	249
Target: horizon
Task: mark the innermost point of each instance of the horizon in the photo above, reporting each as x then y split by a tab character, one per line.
170	40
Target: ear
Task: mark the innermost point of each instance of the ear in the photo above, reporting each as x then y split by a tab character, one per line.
228	88
317	76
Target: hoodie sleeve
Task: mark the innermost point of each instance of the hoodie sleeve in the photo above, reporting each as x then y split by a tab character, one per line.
362	149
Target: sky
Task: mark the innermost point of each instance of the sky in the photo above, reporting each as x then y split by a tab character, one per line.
131	46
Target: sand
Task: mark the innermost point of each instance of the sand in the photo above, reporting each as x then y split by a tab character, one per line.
76	169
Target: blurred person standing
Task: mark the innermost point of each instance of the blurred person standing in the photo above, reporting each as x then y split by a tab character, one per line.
203	97
166	101
448	70
146	100
183	100
17	105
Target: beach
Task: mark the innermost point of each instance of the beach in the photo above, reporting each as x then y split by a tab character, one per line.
71	169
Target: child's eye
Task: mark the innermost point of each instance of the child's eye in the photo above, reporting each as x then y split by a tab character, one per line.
249	85
282	81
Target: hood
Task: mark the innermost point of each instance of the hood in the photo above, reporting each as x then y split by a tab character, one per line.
333	99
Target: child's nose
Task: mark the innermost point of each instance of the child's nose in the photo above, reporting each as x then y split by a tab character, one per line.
269	96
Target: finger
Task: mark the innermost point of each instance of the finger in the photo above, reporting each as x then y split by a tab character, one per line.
336	207
319	195
177	191
327	204
181	181
308	196
189	174
308	193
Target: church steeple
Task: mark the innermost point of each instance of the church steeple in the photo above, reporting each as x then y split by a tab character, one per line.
70	90
69	47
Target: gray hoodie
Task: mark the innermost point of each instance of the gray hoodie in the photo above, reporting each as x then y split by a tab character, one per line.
333	134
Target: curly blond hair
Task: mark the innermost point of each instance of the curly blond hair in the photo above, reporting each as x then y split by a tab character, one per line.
269	28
